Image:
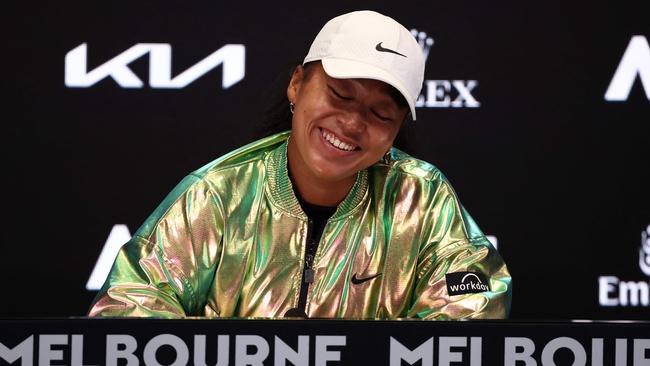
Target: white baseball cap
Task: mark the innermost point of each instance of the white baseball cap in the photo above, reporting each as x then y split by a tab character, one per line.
368	45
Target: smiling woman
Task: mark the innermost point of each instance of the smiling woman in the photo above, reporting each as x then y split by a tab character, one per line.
340	127
324	220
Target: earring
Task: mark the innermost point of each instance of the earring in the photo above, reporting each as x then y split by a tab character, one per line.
291	107
386	158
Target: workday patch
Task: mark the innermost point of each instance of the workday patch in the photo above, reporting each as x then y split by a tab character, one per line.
459	283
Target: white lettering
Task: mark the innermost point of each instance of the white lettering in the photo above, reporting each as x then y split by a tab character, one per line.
45	352
636	60
444	350
469	286
630	293
116	238
465	97
76	65
323	354
113	353
182	352
597	350
284	353
493	240
399	352
437	94
232	57
579	354
511	356
634	293
606	285
475	351
641	347
24	350
621	352
77	352
223	350
243	358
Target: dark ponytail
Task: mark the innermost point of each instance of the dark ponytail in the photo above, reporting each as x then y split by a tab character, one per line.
276	116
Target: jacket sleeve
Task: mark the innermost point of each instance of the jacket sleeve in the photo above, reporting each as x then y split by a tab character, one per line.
166	269
459	273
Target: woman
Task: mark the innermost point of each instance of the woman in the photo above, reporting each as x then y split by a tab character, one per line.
326	220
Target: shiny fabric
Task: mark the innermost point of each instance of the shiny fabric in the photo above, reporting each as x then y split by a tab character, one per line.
229	241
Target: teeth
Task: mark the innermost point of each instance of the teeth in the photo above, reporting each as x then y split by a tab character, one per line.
337	143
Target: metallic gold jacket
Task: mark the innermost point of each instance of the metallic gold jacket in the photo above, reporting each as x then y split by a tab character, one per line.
229	241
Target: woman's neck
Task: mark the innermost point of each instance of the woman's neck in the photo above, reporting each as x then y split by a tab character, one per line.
317	193
312	189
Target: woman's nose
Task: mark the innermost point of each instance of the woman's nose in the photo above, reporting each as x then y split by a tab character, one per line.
352	122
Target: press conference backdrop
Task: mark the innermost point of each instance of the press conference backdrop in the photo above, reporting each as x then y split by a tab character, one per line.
538	113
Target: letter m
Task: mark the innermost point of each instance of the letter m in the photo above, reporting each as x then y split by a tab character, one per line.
398	353
232	58
24	351
636	292
636	60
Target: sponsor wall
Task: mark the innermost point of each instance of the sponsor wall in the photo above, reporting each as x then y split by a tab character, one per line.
539	115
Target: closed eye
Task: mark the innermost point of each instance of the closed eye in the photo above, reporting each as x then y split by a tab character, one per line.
381	117
337	94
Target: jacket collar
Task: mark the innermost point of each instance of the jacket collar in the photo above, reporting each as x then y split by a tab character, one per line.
281	190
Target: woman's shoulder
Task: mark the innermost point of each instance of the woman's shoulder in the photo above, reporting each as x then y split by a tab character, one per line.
219	177
401	163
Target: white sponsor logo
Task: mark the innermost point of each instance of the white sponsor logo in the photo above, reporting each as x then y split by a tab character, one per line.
231	57
443	93
116	238
125	349
614	292
644	252
635	62
471	274
448	351
493	240
102	348
466	283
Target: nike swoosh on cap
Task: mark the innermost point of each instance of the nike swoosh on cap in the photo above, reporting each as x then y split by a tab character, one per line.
380	48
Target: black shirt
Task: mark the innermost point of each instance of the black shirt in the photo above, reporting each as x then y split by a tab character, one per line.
317	217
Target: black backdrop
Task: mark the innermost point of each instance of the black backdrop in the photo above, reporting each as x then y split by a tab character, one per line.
557	173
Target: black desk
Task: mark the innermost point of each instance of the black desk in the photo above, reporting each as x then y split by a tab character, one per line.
221	342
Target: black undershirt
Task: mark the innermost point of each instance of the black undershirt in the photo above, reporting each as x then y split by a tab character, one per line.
318	215
317	219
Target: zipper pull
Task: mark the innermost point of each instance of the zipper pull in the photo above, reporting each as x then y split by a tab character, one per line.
309	275
309	272
309	257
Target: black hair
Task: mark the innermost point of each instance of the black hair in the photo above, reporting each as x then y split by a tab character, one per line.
276	115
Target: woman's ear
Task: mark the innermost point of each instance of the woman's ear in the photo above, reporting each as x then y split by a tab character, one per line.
295	83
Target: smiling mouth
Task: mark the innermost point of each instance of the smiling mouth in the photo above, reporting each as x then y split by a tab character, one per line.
335	142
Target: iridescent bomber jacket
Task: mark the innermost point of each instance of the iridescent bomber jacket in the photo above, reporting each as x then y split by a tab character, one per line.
229	241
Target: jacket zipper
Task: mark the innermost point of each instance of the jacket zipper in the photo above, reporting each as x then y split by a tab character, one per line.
308	270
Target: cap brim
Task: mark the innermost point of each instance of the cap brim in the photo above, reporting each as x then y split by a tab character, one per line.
348	69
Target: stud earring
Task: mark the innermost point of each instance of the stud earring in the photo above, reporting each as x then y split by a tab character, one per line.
386	158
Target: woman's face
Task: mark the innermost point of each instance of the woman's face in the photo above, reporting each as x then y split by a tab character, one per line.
340	126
